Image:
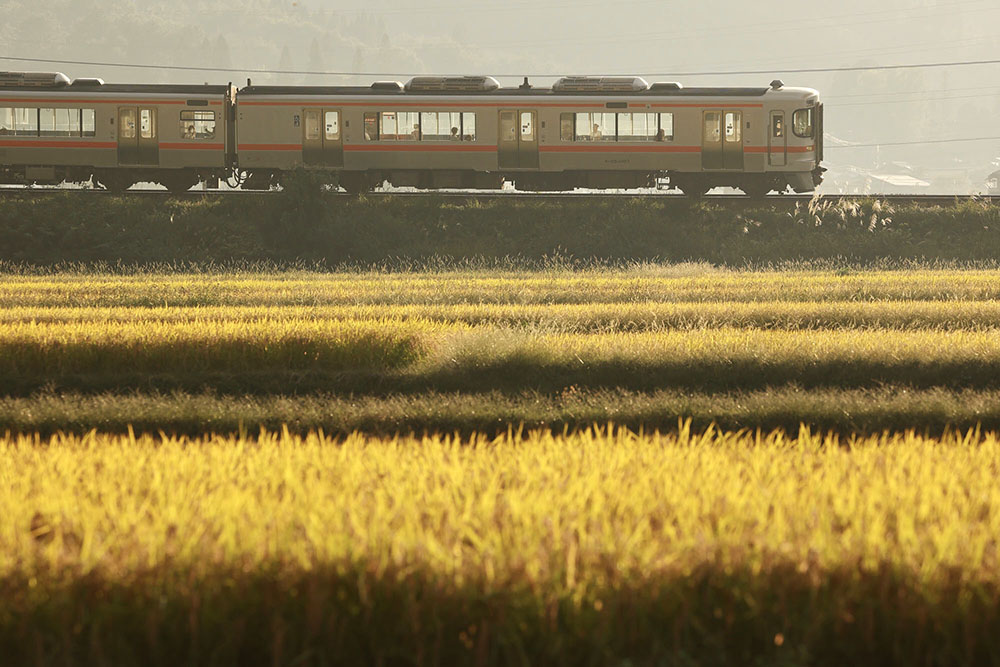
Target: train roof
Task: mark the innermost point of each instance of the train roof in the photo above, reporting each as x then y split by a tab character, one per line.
56	82
358	91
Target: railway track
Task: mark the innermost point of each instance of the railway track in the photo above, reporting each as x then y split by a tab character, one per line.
735	199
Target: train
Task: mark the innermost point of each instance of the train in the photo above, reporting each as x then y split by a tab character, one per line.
433	132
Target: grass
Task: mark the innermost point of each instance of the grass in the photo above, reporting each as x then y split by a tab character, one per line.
592	548
148	520
297	226
516	339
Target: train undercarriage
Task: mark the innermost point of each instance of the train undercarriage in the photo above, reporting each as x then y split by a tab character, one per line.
358	182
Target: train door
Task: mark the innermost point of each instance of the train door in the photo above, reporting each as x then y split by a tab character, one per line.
777	141
722	140
322	140
138	136
518	140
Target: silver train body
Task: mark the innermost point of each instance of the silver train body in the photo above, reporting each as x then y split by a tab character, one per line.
433	132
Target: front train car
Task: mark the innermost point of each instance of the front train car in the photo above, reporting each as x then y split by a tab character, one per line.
582	132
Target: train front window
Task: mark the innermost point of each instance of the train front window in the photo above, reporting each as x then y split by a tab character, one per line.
802	123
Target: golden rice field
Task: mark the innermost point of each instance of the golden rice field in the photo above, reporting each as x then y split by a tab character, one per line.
788	467
593	548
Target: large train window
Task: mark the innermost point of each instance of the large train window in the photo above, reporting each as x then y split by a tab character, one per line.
595	127
441	126
645	127
26	122
802	123
198	124
6	121
400	126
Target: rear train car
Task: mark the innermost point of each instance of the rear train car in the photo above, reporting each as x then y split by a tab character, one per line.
53	130
583	132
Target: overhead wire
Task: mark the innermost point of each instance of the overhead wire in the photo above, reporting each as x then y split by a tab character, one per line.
254	70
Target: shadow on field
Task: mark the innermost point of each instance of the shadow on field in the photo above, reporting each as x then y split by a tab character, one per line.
512	376
784	613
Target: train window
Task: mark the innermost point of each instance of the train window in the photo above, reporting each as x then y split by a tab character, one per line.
508	126
198	124
626	126
440	126
644	127
566	127
147	124
713	127
46	122
6	121
802	123
126	123
312	128
734	127
666	131
409	125
332	125
89	123
468	126
26	122
68	122
595	127
527	126
429	126
371	126
778	127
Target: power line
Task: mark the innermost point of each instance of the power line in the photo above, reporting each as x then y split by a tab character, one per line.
915	143
767	72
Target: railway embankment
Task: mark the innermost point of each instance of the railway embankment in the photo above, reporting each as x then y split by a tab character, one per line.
331	230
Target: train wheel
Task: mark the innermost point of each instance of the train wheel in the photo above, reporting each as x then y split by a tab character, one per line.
355	184
693	188
756	190
177	183
116	183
